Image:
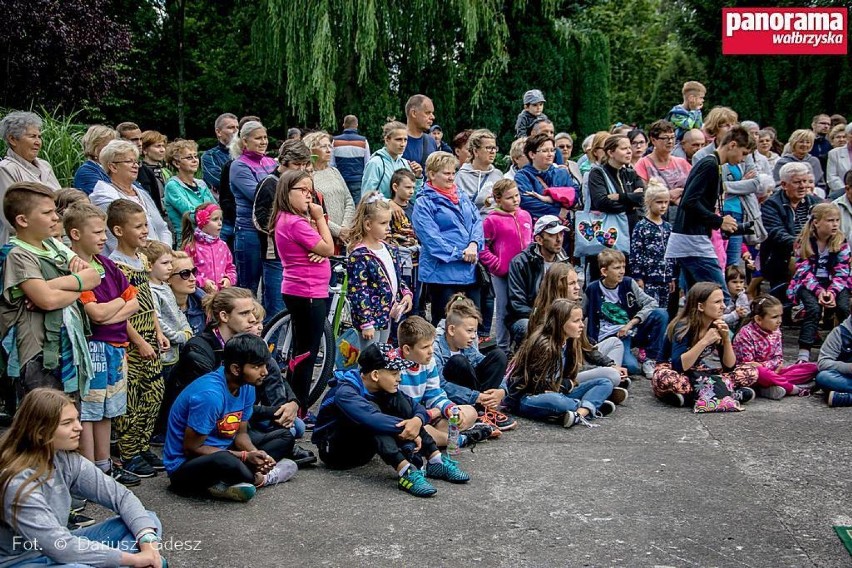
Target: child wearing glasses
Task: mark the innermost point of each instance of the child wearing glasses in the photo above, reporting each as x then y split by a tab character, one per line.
200	238
128	221
108	307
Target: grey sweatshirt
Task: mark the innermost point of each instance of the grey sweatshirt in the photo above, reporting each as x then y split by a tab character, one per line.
831	349
43	514
173	322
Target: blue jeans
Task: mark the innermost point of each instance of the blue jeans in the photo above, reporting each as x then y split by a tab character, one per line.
272	300
501	300
650	334
298	428
518	331
703	269
734	250
553	405
834	381
112	532
247	258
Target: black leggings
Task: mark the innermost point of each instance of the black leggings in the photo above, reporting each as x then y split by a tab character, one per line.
353	446
197	475
307	320
487	375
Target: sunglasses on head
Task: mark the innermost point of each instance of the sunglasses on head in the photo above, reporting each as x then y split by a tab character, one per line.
186	273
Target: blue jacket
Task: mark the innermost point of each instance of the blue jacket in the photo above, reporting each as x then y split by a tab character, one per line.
211	164
351	153
445	230
348	404
631	298
88	175
458	393
527	180
379	170
195	312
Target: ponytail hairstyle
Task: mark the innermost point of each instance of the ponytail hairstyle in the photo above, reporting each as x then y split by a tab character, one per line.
223	301
761	305
819	212
368	210
654	190
195	219
538	363
460	308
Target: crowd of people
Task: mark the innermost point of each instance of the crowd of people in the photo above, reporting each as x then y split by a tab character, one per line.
133	304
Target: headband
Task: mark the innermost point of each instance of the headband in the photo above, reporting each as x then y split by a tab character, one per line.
202	216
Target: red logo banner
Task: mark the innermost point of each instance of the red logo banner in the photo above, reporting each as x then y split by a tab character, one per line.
784	31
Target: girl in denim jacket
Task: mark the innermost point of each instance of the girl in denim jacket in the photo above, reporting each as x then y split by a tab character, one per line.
377	293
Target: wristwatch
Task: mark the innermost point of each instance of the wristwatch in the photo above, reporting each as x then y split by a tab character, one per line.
148	538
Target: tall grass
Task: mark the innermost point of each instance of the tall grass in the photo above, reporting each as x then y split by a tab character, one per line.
61	146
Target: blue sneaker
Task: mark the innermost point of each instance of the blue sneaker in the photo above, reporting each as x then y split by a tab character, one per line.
413	481
240	492
448	470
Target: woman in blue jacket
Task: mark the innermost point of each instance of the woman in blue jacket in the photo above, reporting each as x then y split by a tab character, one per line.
545	189
450	232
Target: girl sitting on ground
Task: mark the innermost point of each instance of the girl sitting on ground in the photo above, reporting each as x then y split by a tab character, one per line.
698	343
543	376
759	343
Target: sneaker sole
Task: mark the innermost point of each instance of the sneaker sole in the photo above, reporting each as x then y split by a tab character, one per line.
141	475
618	396
511	426
772	393
130	483
241	493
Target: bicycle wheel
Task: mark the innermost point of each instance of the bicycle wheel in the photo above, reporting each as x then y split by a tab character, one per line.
279	335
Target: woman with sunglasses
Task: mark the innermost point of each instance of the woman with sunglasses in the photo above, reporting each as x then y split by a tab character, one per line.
184	285
660	163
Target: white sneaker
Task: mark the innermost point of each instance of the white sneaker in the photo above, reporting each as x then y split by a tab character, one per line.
648	368
283	470
774	392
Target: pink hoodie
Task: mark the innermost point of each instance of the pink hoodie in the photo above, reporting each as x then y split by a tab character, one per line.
213	261
506	234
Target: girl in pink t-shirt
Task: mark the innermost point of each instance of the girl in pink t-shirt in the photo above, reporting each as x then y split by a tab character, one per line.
212	257
304	244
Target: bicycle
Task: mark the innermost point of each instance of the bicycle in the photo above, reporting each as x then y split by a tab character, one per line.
279	334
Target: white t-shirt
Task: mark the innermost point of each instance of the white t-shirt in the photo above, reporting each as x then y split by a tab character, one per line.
387	261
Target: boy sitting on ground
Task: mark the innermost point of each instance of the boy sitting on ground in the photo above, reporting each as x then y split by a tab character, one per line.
422	382
365	413
468	376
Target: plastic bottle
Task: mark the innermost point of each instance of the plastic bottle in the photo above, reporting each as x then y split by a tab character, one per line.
453	448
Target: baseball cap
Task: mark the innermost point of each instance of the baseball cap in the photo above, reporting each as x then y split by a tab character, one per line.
549	223
382	356
436	127
533	96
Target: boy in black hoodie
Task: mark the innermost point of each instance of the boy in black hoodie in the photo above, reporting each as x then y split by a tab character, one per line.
364	413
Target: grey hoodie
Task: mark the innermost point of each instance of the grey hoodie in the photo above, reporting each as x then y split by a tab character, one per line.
477	184
831	349
42	515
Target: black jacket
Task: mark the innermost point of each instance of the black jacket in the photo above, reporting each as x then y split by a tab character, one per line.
200	355
779	219
629	200
696	214
227	203
264	199
524	280
274	392
147	178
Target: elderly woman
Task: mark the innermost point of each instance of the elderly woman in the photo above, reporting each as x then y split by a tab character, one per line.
660	163
765	138
477	177
21	131
184	192
800	143
838	136
839	162
152	175
249	168
120	160
91	172
329	182
545	188
450	231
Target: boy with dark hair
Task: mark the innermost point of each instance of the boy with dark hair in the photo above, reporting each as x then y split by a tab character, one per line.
365	413
208	448
108	306
402	187
468	376
615	305
128	222
42	326
533	110
687	115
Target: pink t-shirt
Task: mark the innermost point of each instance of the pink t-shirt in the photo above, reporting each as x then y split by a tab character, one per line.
295	237
673	175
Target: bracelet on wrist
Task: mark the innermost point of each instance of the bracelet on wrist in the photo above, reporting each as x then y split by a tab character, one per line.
79	281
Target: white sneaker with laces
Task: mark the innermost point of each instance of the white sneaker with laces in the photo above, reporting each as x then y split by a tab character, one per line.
648	368
283	470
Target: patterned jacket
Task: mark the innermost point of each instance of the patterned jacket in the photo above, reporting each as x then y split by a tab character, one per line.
754	345
370	292
648	244
806	268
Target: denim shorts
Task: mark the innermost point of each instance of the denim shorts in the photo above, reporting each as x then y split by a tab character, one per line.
107	396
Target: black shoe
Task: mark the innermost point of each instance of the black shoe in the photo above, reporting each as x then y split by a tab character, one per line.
618	395
476	433
607	408
158	440
77	504
139	467
124	477
303	457
744	394
672	399
77	521
625	383
153	460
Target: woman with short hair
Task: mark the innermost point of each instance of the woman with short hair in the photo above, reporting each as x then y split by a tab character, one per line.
90	172
152	174
120	159
478	176
545	188
800	143
21	131
184	192
330	183
660	163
